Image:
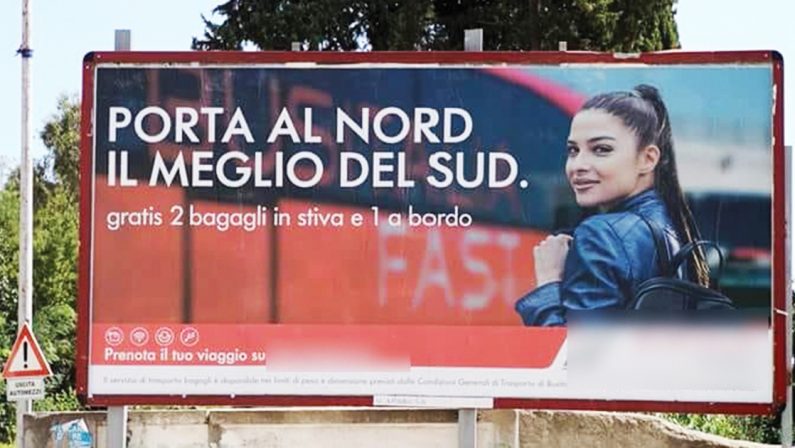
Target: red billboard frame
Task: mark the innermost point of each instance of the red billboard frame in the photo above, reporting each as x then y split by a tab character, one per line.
780	288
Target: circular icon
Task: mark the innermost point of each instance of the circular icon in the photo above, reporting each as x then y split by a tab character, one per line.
114	336
139	336
189	336
164	336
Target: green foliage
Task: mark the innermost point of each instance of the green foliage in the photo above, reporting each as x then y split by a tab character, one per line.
7	418
55	284
9	244
760	429
9	252
55	246
61	135
602	25
59	400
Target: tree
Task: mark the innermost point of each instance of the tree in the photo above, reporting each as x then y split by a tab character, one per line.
61	135
318	25
9	250
55	248
601	25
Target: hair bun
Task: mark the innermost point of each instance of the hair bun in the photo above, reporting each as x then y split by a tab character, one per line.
652	96
647	92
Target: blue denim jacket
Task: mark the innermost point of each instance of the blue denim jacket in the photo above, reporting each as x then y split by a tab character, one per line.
610	256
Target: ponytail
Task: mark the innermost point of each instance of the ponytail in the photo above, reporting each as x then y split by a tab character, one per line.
666	182
644	111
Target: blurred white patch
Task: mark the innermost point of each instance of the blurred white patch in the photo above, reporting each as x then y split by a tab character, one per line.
335	356
670	357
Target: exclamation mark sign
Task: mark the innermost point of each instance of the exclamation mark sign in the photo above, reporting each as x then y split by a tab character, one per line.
25	355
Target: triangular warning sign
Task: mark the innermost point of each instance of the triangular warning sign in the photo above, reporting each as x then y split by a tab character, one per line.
26	360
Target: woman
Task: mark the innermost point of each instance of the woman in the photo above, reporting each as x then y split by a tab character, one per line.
620	164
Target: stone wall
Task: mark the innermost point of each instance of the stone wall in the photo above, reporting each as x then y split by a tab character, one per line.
382	428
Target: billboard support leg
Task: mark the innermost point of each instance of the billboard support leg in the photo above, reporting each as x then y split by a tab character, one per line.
117	415
786	421
467	428
117	426
786	415
473	39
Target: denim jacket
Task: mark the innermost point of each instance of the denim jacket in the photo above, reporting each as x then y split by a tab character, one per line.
610	256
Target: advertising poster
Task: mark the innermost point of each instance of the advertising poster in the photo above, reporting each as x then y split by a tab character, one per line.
404	231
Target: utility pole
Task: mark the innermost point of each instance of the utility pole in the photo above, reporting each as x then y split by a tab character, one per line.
25	299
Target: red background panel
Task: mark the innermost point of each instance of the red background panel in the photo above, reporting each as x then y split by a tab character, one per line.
230	270
410	275
299	346
135	269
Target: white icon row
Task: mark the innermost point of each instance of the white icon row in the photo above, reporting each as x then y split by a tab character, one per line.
164	336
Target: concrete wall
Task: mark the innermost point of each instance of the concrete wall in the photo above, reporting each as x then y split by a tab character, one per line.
382	428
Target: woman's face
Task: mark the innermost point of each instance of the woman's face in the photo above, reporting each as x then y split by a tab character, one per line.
604	165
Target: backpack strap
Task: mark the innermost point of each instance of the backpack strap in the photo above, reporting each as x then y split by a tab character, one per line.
663	259
669	266
688	248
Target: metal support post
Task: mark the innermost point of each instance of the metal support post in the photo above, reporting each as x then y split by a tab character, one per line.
786	415
116	435
468	418
117	427
122	40
473	39
467	428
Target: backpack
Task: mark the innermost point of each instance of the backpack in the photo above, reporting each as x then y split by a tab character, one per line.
670	293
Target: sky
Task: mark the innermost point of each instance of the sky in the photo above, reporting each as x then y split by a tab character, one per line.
59	45
741	25
62	33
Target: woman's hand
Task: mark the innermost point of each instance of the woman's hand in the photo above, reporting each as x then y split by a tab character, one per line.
550	257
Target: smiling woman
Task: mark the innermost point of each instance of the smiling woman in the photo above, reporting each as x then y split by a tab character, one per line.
604	164
621	164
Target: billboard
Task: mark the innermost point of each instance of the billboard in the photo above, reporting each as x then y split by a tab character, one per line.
283	228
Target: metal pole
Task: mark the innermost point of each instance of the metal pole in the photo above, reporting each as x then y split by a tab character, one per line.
467	428
786	415
468	418
473	39
25	299
116	431
122	40
117	427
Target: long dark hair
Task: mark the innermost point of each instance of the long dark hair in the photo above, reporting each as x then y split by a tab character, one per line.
644	111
